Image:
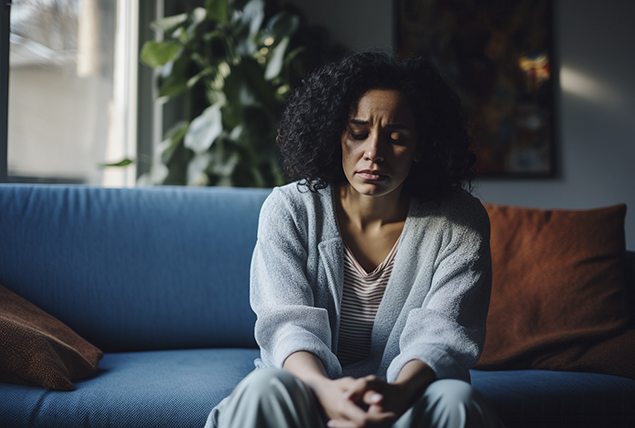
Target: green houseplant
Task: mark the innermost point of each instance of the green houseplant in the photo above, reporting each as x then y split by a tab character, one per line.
234	70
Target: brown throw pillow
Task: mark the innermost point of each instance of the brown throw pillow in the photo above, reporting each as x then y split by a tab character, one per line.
38	350
558	292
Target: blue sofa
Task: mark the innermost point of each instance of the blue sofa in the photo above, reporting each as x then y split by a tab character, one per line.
158	279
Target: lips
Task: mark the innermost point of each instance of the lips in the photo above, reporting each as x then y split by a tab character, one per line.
371	175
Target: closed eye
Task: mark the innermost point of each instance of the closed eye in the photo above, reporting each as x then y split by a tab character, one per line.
398	133
396	137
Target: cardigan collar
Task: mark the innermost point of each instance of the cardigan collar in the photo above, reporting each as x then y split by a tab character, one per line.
331	251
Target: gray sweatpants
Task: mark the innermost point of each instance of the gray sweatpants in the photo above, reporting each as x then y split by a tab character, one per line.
274	398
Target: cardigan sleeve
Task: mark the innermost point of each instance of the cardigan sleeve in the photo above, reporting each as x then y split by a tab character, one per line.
281	295
448	330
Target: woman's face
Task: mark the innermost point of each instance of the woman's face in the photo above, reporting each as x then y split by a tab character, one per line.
379	143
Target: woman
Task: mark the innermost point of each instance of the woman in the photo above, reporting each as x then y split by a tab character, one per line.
371	274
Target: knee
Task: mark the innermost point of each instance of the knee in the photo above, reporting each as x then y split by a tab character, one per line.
262	382
268	398
454	403
452	392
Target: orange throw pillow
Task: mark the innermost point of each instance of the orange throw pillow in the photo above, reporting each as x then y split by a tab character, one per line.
558	289
39	350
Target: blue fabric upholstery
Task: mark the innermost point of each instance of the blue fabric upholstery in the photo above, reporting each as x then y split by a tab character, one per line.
159	270
154	389
539	398
134	269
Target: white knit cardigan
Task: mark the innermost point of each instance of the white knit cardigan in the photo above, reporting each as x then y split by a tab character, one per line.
436	300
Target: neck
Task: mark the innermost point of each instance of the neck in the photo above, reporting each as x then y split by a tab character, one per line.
365	210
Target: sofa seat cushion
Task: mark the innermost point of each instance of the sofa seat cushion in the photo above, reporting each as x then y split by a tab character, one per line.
138	389
541	398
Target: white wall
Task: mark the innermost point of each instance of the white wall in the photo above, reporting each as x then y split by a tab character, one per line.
595	47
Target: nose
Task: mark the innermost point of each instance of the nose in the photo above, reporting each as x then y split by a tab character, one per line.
372	151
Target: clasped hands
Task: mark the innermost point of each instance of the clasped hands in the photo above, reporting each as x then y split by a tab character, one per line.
367	402
362	403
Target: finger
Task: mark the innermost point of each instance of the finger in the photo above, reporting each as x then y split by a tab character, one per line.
376	409
357	389
362	385
375	383
373	397
341	423
350	411
359	417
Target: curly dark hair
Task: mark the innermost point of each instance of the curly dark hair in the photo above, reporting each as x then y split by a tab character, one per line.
317	111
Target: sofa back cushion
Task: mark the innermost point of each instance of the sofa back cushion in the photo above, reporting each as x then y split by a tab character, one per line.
134	269
558	289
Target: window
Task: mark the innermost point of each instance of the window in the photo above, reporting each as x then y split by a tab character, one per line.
73	90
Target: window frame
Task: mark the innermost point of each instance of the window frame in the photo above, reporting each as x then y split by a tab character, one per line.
5	20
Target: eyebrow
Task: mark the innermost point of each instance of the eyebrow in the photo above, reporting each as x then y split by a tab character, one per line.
396	126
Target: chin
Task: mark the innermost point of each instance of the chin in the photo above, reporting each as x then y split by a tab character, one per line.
372	190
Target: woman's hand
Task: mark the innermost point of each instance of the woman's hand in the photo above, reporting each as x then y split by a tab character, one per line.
341	399
367	402
349	404
380	398
370	408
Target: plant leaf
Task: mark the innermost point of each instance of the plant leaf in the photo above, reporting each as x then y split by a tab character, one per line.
169	23
156	54
204	129
291	67
198	15
274	66
196	169
194	79
123	162
172	87
217	10
172	139
261	92
157	175
224	166
293	54
247	27
178	72
282	24
253	15
212	57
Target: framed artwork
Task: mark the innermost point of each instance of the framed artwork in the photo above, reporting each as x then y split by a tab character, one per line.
498	56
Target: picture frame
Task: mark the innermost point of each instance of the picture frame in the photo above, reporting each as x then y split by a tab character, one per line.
498	56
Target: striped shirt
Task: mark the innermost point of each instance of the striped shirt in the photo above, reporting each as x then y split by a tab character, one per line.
361	297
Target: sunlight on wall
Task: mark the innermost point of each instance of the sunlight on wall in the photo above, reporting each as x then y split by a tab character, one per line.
587	87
